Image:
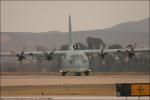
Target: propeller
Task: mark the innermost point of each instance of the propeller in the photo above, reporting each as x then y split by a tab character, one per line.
49	56
20	55
102	54
130	51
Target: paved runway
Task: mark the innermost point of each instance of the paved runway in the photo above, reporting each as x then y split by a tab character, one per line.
63	80
75	98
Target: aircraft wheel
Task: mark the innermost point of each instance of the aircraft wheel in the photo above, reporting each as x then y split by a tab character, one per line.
79	73
87	73
64	73
76	73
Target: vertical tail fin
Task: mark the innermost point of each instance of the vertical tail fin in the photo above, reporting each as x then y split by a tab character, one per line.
70	34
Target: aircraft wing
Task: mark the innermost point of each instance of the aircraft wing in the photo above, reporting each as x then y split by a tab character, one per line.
109	51
138	50
99	51
42	53
34	53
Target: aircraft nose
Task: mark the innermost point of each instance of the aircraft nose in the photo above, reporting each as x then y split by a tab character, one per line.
78	62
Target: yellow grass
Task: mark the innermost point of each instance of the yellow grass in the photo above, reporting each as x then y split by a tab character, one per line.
59	90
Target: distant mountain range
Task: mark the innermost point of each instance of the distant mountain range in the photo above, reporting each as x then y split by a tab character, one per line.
124	33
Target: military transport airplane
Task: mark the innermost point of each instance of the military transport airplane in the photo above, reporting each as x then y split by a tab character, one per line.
74	60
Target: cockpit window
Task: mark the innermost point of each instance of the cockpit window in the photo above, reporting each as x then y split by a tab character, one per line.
79	57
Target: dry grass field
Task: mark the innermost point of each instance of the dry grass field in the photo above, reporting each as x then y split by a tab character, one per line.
71	80
101	89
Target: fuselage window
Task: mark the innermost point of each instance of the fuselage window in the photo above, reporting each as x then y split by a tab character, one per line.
77	57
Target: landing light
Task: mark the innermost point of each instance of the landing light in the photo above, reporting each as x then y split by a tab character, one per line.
61	71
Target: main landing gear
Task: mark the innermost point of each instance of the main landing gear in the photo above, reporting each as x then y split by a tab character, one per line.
77	73
63	73
87	73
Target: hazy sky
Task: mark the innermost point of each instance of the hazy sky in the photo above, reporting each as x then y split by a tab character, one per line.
43	16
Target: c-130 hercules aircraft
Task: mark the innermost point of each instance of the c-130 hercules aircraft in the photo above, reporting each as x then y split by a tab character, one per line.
74	60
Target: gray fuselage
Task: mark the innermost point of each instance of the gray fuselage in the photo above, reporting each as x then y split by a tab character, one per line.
75	61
